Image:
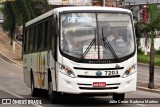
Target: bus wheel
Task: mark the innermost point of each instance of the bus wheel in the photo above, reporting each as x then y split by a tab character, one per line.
34	92
53	96
119	97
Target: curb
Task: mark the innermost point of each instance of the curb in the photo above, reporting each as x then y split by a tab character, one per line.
9	60
6	58
148	90
143	64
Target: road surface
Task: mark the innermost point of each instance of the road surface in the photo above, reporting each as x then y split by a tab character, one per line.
143	74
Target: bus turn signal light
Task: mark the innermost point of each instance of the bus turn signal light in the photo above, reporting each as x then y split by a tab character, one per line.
66	70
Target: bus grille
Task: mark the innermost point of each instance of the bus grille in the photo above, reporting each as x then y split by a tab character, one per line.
106	88
90	87
84	76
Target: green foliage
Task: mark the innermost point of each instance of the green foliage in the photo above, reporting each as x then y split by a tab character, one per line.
22	11
9	18
18	12
143	58
146	59
1	8
149	29
158	52
41	5
139	51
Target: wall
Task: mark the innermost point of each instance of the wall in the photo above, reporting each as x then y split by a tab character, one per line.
147	49
70	2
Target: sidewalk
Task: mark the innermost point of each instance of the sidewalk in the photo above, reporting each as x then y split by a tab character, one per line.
15	57
144	87
144	64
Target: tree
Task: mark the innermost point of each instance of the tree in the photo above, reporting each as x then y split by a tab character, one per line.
137	30
149	30
9	19
18	12
97	2
42	5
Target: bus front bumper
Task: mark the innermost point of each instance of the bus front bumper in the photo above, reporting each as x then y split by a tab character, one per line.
77	85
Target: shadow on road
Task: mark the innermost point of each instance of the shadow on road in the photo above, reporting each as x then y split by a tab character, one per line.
75	100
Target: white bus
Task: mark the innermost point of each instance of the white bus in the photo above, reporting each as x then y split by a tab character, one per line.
72	50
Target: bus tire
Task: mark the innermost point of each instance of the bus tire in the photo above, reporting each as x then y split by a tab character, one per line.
53	95
34	91
119	97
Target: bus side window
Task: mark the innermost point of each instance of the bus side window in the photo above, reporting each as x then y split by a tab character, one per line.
39	37
47	34
25	36
35	38
53	36
27	40
50	33
31	34
43	35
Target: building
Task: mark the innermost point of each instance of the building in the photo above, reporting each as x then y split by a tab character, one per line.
138	7
138	2
1	16
69	2
108	3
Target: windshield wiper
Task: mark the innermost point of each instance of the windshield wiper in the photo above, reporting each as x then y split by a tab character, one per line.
105	41
88	48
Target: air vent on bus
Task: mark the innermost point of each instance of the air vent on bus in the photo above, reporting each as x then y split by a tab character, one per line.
106	84
86	76
90	87
117	68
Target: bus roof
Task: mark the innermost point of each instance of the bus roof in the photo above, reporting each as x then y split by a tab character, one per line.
94	8
77	8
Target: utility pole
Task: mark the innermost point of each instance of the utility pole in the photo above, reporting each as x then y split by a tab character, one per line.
117	3
104	3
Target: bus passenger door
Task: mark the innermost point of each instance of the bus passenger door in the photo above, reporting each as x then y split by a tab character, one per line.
53	55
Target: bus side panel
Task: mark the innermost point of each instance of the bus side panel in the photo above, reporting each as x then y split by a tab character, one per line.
53	70
40	69
35	66
26	70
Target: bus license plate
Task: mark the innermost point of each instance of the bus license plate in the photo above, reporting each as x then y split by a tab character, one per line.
99	84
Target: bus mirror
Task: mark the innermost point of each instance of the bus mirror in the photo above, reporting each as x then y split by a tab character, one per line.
55	17
55	24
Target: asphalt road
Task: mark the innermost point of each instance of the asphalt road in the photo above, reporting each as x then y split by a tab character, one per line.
143	74
12	86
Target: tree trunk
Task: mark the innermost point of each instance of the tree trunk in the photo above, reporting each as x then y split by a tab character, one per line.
23	33
151	67
11	43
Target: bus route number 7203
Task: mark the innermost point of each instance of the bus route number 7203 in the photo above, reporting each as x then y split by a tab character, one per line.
111	72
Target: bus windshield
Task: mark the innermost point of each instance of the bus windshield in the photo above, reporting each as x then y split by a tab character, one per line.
99	36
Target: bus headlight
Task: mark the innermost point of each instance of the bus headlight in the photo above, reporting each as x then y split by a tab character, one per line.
129	71
66	70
